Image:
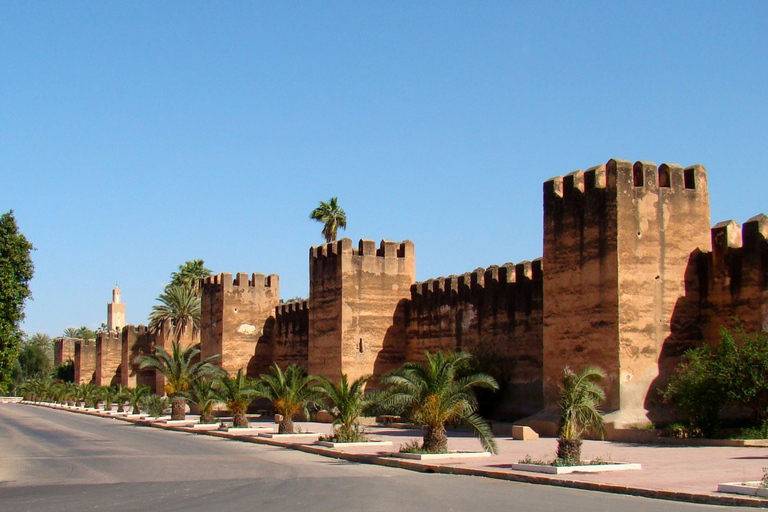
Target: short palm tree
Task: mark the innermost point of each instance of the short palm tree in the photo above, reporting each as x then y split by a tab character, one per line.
237	392
135	396
203	394
88	395
332	216
108	394
346	403
289	392
580	397
180	306
179	371
434	394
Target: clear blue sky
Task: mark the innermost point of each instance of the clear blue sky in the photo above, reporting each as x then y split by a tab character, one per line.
137	135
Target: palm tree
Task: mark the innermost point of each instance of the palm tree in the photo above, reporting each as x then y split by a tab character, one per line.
71	332
180	306
346	403
580	396
108	394
289	392
179	371
202	393
332	217
189	275
88	395
135	396
435	394
238	393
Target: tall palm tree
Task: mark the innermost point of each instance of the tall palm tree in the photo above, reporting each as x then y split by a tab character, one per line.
237	392
434	394
580	397
346	403
189	275
181	306
179	371
289	392
202	393
332	216
71	332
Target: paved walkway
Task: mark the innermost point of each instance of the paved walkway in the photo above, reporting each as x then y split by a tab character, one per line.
669	472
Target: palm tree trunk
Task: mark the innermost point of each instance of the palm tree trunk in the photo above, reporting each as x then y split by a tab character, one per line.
239	419
285	426
178	408
435	440
207	417
569	450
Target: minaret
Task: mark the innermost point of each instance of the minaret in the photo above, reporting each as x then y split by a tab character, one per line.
115	311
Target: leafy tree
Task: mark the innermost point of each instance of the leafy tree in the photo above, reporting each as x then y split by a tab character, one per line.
16	270
740	363
697	391
35	356
237	392
180	370
189	275
180	306
202	393
332	216
580	398
434	394
289	392
65	372
346	403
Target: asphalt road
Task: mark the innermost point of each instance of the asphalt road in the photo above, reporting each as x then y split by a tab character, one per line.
54	460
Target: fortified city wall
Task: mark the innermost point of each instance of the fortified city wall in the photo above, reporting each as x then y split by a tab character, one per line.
63	350
632	275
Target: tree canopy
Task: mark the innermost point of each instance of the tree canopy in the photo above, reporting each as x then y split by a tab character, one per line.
16	270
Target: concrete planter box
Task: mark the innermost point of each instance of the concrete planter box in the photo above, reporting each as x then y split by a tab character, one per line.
247	431
205	426
329	444
272	435
180	423
564	470
745	488
439	456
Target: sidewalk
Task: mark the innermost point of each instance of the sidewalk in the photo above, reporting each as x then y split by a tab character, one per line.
669	472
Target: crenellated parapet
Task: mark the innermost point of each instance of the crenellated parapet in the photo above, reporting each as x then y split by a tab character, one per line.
292	317
493	283
734	277
225	282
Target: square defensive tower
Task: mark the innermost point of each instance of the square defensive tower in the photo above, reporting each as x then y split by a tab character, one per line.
357	305
621	242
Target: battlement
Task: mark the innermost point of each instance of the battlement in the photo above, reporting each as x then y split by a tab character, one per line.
292	307
623	174
135	329
731	243
386	249
479	281
225	281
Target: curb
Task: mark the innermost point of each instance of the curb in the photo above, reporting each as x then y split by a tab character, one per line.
421	467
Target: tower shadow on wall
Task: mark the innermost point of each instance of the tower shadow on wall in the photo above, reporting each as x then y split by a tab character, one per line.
392	354
264	353
686	332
